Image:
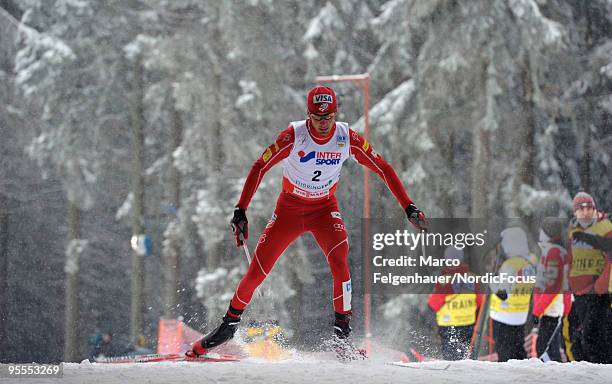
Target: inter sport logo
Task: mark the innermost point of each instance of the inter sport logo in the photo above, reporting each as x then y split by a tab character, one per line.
306	157
323	158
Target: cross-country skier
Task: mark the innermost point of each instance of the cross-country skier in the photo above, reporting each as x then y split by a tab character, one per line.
312	151
588	265
510	303
551	296
456	307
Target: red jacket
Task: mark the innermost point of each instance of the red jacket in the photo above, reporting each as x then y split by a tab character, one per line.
546	291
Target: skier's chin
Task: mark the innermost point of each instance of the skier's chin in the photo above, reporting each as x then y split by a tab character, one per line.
324	131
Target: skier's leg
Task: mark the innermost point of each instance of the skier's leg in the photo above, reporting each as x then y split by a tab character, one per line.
448	338
327	227
329	232
566	341
608	328
444	342
593	332
554	352
502	342
464	335
547	328
576	320
509	341
280	231
517	334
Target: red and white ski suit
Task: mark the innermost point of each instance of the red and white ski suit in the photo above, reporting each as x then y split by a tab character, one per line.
551	295
307	203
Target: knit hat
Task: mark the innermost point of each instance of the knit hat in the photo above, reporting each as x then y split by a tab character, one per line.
583	199
553	227
514	242
322	100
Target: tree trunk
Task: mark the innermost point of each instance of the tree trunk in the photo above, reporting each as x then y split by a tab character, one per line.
585	164
481	160
72	269
527	169
137	117
172	251
449	199
587	117
481	172
527	146
218	151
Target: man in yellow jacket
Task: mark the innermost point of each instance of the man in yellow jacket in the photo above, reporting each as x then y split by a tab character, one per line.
510	302
456	307
589	276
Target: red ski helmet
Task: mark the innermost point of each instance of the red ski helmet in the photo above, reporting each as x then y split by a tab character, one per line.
322	100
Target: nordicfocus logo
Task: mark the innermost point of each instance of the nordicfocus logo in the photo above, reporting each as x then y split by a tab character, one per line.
323	158
317	99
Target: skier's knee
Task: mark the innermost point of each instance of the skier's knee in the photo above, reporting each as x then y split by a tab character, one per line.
337	257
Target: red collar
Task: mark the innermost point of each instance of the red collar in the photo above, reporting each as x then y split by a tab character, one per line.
318	138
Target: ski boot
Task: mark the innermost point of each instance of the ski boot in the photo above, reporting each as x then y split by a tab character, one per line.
341	344
342	328
224	332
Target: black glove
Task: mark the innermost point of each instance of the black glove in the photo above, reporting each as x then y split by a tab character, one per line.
240	226
599	242
502	294
416	217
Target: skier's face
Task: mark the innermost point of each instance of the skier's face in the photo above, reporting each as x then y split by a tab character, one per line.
323	124
584	212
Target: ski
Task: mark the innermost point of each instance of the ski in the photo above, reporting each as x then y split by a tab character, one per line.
156	358
411	365
348	355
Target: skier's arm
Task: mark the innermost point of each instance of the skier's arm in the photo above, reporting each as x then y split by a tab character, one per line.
279	150
603	243
363	152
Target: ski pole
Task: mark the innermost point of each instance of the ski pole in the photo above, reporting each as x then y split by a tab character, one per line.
423	231
544	356
245	248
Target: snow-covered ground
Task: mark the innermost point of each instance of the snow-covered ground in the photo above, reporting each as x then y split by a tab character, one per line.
308	369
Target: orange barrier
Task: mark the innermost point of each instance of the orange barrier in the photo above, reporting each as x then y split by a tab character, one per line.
174	336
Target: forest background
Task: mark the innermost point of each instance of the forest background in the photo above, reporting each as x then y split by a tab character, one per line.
124	117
